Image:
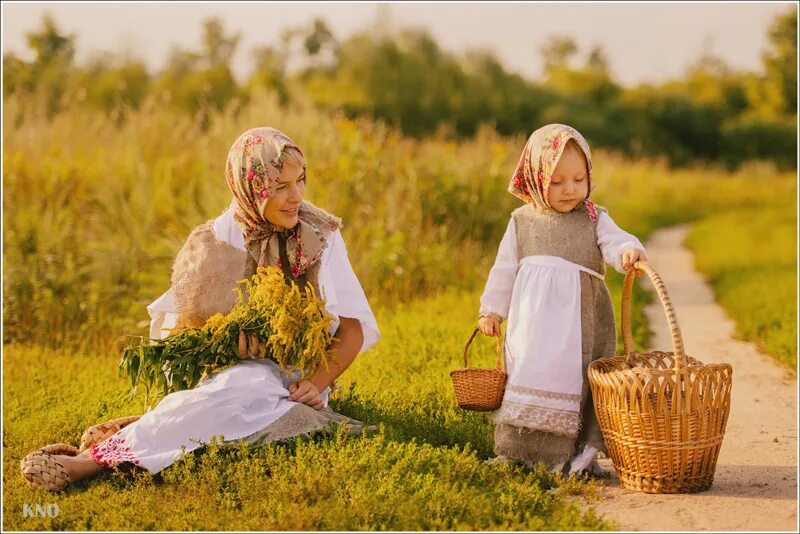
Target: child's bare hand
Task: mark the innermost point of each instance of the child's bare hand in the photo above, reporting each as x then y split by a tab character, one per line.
489	326
631	256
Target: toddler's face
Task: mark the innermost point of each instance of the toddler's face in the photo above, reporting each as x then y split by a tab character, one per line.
570	182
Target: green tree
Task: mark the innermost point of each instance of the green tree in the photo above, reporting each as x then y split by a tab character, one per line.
110	82
50	46
48	74
318	38
557	52
17	75
218	47
780	61
197	80
597	60
269	73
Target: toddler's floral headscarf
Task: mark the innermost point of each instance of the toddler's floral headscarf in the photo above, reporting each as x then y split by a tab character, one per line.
252	172
537	164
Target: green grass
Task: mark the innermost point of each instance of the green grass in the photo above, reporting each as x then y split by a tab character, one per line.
422	470
750	259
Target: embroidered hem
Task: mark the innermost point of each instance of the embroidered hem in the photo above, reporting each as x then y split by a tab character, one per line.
543	393
112	452
560	422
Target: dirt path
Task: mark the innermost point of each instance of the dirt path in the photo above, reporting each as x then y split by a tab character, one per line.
755	486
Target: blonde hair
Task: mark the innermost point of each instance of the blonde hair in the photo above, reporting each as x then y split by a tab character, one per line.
293	156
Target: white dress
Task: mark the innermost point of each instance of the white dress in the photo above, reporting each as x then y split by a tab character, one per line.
540	297
241	400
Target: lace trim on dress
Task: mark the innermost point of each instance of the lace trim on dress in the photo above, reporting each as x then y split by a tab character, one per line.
561	422
543	393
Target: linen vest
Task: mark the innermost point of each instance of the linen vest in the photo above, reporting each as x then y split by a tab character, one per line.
207	270
573	237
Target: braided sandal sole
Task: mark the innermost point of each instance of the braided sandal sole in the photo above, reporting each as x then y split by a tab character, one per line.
42	470
103	431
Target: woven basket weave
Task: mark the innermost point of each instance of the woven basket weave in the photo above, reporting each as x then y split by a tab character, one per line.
477	389
662	414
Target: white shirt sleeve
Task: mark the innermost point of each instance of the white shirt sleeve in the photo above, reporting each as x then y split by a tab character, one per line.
496	298
344	296
613	241
162	315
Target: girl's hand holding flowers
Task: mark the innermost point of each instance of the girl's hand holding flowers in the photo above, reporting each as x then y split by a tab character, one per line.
249	349
631	256
305	392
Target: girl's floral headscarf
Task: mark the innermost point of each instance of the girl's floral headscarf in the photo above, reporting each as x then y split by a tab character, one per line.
252	172
537	164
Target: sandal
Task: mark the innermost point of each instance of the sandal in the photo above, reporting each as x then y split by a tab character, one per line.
103	431
42	470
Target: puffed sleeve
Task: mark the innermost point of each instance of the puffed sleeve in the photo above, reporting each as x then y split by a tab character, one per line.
496	298
613	241
162	315
344	296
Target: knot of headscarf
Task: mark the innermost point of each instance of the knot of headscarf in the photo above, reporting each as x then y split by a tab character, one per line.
252	172
531	179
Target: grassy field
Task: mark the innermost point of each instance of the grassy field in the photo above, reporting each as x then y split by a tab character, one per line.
750	259
423	469
95	209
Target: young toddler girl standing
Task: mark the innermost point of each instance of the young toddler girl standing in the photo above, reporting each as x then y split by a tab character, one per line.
547	281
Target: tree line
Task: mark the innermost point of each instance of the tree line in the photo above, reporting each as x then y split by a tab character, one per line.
712	114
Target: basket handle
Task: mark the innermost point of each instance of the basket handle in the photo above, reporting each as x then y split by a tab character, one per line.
661	289
499	349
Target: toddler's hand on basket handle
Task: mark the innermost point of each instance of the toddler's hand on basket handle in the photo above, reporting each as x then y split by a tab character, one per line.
489	325
631	256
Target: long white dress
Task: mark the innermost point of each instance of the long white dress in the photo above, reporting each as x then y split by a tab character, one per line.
540	297
241	400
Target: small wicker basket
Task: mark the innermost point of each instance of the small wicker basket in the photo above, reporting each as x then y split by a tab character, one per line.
477	389
662	414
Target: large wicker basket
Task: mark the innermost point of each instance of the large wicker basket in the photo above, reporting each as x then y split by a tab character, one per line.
662	414
477	389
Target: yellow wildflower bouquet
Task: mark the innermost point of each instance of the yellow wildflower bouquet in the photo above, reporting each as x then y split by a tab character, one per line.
291	322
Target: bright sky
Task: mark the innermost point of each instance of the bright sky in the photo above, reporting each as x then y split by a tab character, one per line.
645	42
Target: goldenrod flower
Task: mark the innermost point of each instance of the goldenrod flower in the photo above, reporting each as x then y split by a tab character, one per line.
290	322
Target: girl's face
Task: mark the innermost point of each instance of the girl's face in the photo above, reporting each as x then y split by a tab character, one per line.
569	184
283	207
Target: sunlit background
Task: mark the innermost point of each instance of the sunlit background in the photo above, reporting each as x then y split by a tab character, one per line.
644	42
117	119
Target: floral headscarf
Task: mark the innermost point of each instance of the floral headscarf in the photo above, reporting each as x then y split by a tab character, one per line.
537	164
252	172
